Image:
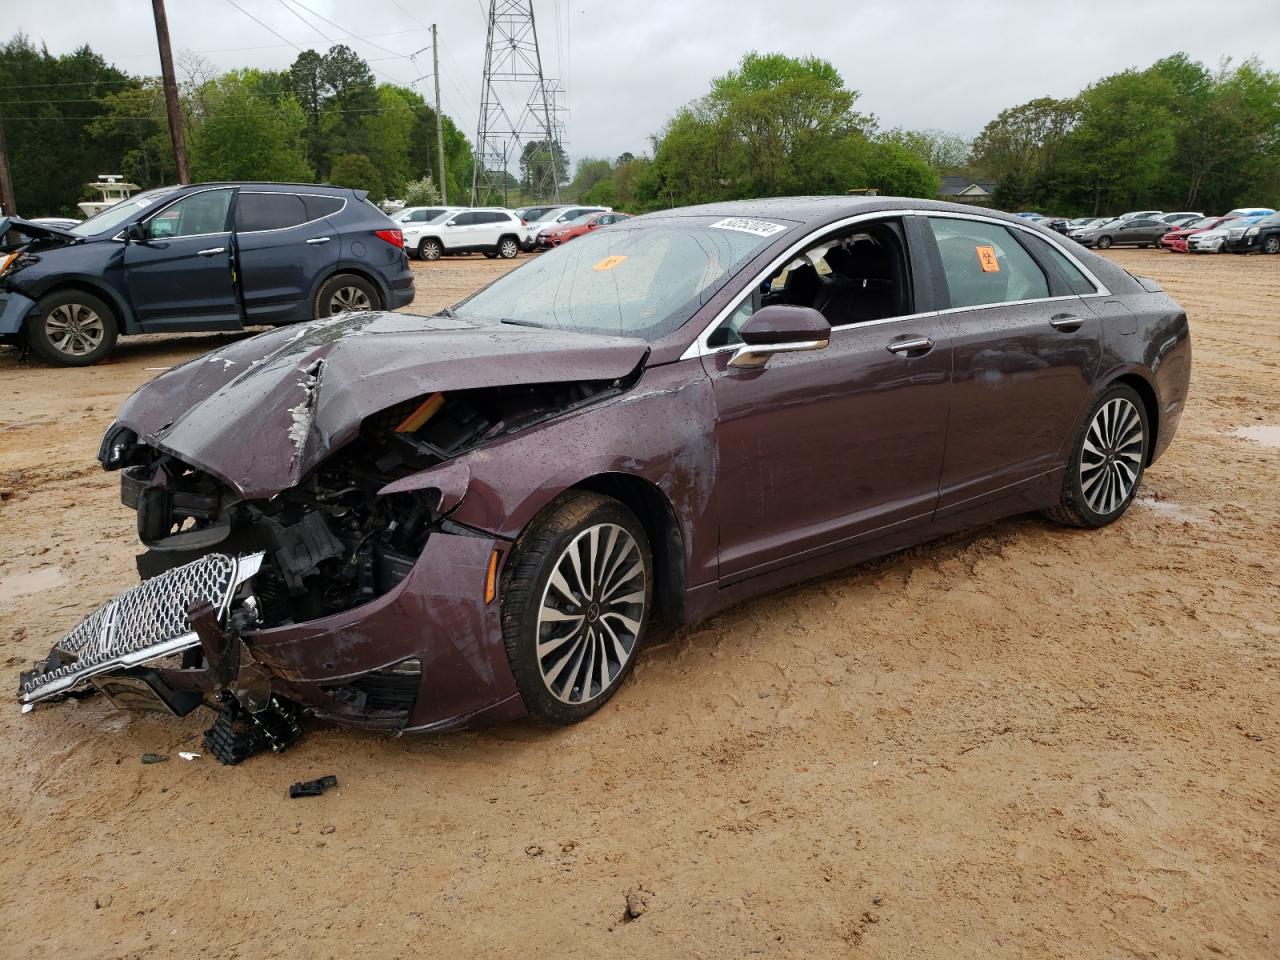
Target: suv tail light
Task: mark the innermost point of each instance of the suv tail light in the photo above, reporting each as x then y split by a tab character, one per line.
393	237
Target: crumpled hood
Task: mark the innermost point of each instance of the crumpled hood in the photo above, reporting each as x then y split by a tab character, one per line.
36	231
262	412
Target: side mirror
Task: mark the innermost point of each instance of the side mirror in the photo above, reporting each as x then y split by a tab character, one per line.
451	223
780	329
135	232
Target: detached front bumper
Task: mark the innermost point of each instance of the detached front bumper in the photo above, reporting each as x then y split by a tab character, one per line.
426	655
436	616
14	310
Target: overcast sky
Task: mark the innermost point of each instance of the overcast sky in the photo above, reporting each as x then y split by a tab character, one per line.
629	65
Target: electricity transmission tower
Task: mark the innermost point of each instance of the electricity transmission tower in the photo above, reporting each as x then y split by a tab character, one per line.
519	117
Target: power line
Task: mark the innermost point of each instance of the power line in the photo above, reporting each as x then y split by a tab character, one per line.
264	26
306	23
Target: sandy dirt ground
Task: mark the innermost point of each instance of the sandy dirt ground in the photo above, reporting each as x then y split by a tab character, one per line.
1020	742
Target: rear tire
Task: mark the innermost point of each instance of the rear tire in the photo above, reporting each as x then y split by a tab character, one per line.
72	329
1107	461
346	293
576	594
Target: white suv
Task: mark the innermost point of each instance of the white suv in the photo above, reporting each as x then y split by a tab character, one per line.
489	230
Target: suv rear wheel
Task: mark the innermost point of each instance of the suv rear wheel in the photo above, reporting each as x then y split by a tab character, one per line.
508	248
73	329
346	293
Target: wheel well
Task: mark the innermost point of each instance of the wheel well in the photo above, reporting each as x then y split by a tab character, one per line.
510	236
120	314
653	510
363	275
1149	403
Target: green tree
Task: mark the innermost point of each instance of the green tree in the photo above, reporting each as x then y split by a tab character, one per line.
944	152
49	104
386	135
421	193
356	170
134	125
247	137
351	95
897	171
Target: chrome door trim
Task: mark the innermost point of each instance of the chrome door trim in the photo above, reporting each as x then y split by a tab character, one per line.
754	357
699	347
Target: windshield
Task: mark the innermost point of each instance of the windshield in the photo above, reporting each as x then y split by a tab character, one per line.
641	279
1205	223
113	216
540	214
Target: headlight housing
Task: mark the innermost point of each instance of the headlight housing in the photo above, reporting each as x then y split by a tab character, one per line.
1251	232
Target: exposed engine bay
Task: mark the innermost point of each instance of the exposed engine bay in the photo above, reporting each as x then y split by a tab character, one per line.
218	567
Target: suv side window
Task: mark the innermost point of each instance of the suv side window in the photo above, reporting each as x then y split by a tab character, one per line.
318	207
983	263
268	211
194	215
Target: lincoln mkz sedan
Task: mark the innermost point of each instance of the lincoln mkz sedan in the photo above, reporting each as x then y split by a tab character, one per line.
422	523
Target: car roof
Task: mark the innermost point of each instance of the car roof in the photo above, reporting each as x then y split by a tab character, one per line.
268	186
814	211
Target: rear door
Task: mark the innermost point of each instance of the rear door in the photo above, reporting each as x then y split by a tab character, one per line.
180	277
284	244
1026	350
1142	231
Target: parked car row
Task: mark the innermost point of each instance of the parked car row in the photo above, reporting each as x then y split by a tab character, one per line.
433	232
208	256
1183	231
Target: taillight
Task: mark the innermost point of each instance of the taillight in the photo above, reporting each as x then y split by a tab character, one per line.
393	237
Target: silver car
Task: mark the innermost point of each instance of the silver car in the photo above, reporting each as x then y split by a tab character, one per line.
1136	232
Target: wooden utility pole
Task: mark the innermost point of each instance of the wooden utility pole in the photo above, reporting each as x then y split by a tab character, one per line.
435	70
8	201
171	92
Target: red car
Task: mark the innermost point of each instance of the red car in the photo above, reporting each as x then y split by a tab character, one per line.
584	224
1175	241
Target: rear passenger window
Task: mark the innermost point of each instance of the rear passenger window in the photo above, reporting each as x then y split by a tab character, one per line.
268	211
318	207
1077	282
983	263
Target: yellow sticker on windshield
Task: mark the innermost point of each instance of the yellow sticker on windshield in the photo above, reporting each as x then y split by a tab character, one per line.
608	263
987	257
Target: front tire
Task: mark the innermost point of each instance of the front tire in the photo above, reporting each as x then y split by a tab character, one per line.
1104	243
1107	461
72	329
508	248
430	249
346	293
1271	245
576	595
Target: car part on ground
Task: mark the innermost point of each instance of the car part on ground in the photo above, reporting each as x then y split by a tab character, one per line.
469	517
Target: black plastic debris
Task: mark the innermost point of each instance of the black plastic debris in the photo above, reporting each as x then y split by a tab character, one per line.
154	757
312	788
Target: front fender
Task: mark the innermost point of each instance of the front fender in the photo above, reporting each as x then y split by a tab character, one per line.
662	431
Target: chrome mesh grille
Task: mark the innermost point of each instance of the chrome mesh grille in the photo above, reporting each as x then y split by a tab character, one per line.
144	620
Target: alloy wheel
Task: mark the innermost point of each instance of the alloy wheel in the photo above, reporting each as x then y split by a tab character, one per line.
508	249
349	300
1112	456
591	612
429	250
1272	245
74	329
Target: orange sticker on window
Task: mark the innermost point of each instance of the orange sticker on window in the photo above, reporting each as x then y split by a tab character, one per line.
987	257
608	263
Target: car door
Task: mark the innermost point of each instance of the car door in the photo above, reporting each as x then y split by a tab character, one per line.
1025	353
179	274
819	450
284	245
461	235
1143	231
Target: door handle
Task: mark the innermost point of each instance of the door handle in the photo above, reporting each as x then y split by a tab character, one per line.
319	240
212	251
914	345
1066	324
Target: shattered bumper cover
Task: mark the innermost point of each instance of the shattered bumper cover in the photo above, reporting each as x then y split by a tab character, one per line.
145	623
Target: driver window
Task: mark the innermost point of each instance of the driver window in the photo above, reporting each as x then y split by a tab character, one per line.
857	275
194	215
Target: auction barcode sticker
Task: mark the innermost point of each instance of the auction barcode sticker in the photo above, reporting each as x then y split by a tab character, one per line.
761	228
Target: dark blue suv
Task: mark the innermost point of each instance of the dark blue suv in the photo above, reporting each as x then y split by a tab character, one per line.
210	256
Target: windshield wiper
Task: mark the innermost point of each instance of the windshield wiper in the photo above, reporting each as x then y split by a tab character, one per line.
524	323
445	312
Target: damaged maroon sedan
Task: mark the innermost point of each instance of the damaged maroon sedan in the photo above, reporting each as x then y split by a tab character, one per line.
422	523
